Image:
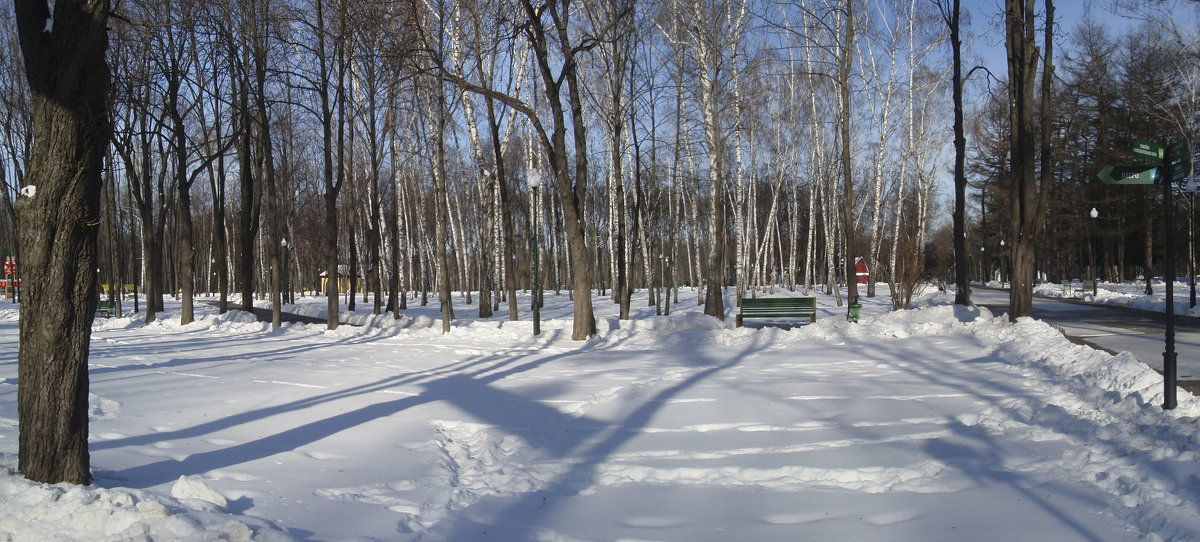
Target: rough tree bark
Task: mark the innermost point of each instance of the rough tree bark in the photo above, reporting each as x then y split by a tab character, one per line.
59	217
1028	203
950	14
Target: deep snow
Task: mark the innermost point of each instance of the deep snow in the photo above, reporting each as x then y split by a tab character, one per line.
939	423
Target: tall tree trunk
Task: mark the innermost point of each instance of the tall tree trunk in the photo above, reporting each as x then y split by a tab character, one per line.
571	188
505	213
1028	203
58	218
440	207
332	186
221	263
961	295
248	218
393	218
276	264
845	56
352	271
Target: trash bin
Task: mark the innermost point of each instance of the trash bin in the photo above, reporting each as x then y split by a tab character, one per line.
852	314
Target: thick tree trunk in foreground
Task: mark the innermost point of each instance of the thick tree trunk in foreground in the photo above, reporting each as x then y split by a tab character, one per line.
1028	203
58	222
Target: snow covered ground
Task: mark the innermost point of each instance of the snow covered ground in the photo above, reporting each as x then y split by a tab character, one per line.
1130	294
939	423
1117	331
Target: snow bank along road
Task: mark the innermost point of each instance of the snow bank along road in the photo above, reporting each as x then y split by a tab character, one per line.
1115	329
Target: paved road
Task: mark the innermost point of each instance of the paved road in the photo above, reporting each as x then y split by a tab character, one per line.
1114	329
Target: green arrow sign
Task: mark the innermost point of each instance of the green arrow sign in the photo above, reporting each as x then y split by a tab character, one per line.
1128	175
1146	149
1179	150
1181	169
1179	159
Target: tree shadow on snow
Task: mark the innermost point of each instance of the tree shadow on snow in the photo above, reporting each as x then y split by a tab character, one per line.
465	384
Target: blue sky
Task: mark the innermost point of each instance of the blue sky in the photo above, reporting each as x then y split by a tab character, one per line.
987	21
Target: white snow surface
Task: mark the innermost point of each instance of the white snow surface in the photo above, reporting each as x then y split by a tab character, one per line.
1130	293
940	423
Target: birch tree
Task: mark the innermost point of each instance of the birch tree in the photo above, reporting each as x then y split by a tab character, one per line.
707	34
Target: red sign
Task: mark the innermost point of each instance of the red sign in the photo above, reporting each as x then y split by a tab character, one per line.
860	271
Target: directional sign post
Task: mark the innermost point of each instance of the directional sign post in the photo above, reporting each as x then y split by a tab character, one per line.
1170	366
1179	160
1146	149
1176	164
1128	175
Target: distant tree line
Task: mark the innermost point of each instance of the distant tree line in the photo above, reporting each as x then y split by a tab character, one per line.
257	145
260	145
1108	90
251	147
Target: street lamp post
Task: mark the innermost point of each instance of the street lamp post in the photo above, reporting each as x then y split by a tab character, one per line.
668	283
535	182
284	287
1095	273
1002	264
982	267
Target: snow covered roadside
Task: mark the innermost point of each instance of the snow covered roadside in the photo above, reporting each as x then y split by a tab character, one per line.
910	424
1128	294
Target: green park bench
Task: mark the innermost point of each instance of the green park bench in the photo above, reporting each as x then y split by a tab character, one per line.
106	308
1085	287
778	307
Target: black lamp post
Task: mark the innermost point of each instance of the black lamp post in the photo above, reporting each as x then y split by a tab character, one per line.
1003	275
1095	273
982	267
284	287
535	182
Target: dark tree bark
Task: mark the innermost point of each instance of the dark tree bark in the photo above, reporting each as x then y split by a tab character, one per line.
221	264
58	224
352	288
441	212
333	185
374	236
950	14
174	111
249	165
845	58
549	27
505	216
440	208
1028	204
572	192
274	251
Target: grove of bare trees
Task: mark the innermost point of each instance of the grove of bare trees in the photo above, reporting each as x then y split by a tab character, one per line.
269	145
265	149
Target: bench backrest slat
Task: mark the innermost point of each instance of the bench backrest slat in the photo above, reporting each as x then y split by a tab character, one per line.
778	307
780	302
